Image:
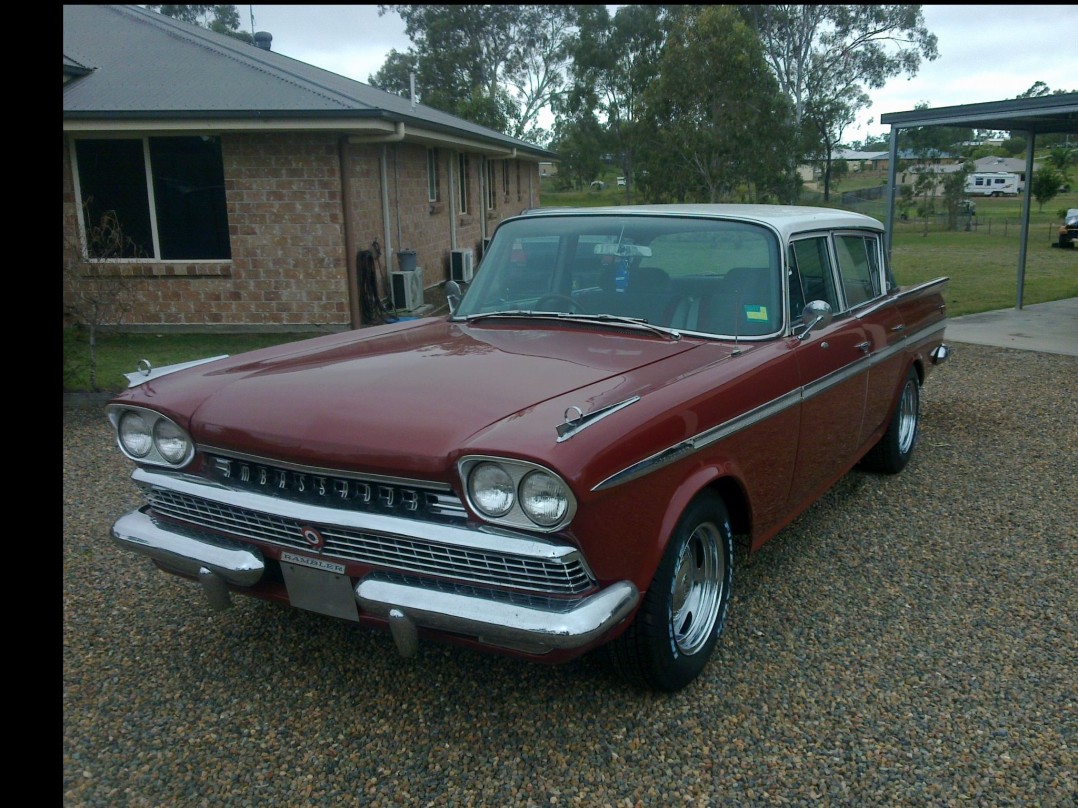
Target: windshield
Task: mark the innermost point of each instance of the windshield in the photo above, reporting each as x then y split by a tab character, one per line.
707	276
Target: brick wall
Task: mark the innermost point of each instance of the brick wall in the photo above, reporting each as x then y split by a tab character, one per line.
286	226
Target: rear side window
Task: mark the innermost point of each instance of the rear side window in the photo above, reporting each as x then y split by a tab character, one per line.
858	266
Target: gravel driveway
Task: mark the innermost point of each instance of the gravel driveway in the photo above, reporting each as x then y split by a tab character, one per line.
909	640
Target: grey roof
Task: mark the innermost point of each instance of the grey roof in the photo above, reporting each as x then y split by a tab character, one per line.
137	64
1048	114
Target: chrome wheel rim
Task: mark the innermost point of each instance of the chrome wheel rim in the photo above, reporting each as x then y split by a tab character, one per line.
907	416
698	583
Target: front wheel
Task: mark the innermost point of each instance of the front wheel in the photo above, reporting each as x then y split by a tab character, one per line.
684	610
894	449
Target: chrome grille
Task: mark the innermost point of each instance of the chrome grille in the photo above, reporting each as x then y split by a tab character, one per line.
335	490
390	552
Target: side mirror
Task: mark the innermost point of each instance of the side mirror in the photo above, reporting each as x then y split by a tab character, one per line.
453	295
815	313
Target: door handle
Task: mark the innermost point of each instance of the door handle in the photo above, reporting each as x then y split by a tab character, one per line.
864	346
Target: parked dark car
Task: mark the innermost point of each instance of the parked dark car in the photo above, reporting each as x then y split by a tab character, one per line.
1068	231
565	460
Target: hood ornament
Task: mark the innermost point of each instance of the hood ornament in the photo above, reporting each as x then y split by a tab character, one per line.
576	420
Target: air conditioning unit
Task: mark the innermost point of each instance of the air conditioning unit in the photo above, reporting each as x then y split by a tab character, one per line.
407	288
461	265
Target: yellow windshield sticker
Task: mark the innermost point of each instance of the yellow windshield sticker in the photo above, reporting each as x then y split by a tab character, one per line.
756	312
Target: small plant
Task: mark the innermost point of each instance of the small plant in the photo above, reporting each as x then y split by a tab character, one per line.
97	292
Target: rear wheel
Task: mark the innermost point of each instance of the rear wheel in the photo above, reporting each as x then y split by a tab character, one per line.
894	449
684	610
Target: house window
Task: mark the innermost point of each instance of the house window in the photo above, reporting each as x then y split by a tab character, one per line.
520	192
505	179
432	175
462	168
179	214
491	193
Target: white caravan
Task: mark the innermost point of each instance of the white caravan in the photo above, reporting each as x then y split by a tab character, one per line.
992	183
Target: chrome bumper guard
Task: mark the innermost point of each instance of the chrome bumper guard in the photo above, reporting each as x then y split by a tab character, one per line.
940	354
509	625
215	563
218	562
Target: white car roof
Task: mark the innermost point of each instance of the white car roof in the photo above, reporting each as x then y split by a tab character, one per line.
786	219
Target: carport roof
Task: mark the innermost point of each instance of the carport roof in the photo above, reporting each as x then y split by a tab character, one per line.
1047	114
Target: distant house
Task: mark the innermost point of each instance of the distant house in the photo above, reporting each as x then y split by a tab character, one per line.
258	188
1012	165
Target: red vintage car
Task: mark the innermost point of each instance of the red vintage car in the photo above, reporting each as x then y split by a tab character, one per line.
564	461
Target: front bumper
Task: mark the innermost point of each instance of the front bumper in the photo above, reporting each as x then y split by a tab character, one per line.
533	625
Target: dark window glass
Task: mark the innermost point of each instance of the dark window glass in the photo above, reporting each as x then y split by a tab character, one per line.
112	177
189	189
188	195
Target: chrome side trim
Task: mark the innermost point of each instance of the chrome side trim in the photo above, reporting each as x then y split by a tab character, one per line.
146	372
490	539
188	552
494	622
768	409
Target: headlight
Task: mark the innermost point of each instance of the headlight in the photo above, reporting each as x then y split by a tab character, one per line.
134	434
491	489
516	493
544	498
149	437
170	441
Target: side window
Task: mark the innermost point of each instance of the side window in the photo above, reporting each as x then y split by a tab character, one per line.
860	274
812	265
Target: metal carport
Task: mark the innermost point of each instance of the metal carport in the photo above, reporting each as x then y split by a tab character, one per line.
1049	114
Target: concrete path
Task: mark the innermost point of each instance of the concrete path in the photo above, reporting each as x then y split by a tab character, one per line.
1047	327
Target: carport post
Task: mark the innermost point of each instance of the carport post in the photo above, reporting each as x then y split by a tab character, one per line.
892	174
1030	137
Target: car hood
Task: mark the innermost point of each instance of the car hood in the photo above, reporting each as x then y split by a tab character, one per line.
406	398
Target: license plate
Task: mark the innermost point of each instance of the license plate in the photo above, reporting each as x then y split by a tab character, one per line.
319	586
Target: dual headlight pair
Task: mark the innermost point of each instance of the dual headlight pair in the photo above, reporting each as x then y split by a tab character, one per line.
515	493
149	437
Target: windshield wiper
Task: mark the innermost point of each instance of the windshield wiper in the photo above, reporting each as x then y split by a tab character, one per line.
619	320
609	319
549	315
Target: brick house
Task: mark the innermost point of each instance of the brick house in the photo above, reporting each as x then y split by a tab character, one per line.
262	191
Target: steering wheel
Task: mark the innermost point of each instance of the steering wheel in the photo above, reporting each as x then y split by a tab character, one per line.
542	303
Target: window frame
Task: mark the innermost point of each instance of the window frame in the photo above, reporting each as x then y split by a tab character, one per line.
433	187
158	231
462	185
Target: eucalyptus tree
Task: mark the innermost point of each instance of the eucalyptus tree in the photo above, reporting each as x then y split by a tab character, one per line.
614	59
717	124
496	65
827	57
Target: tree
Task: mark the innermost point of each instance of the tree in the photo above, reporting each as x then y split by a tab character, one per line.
718	126
613	60
1045	186
1061	158
580	142
495	65
954	193
220	19
96	294
825	57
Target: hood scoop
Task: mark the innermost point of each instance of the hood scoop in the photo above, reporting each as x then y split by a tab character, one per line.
576	420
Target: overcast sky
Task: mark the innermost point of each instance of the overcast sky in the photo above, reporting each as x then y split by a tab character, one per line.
987	52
